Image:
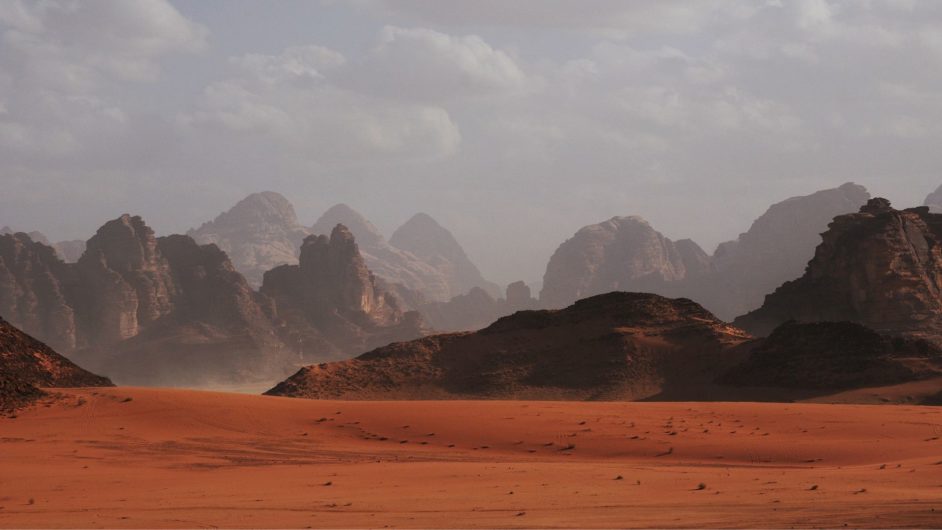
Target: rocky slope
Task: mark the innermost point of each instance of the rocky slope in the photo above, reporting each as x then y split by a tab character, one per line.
774	250
384	260
27	364
258	234
880	267
832	356
429	241
623	253
612	346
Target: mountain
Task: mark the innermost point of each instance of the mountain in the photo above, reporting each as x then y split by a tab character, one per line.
934	201
384	260
259	233
27	364
612	346
429	241
880	267
68	251
774	250
832	356
330	304
477	308
623	253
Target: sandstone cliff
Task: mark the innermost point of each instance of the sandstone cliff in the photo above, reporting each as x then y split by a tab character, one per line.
880	267
258	234
612	346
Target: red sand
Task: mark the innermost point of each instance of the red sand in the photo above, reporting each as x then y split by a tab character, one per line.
177	458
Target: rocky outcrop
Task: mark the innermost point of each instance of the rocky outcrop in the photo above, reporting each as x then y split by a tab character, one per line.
258	234
623	253
34	285
384	260
429	241
612	346
880	267
774	250
331	304
835	356
125	283
27	364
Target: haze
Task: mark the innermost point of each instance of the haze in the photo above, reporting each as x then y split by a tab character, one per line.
510	124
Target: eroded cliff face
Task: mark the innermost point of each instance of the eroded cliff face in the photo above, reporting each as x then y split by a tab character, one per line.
880	267
259	233
34	285
621	254
331	304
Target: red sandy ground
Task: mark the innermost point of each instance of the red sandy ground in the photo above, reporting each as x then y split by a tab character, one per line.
178	458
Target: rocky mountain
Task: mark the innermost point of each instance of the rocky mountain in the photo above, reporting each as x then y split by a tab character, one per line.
331	304
828	356
774	250
934	201
258	234
880	267
429	241
27	364
69	251
623	253
612	346
384	260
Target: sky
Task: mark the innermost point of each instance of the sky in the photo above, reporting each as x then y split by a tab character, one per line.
512	123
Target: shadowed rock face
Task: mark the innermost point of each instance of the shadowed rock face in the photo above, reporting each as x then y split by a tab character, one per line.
258	234
425	238
880	267
834	356
125	283
612	346
384	260
623	253
34	289
26	363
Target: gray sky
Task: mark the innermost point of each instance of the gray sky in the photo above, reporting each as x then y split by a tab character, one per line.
512	123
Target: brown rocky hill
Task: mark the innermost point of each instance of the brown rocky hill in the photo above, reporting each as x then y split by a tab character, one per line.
880	267
621	254
259	233
27	364
828	356
431	242
612	346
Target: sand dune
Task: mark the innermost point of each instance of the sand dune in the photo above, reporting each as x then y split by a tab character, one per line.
134	457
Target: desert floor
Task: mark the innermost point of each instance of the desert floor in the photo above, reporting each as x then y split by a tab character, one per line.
133	457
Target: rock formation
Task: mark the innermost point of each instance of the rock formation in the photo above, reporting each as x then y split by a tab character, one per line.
258	234
834	356
70	251
331	304
880	267
425	238
477	308
774	250
623	253
612	346
34	285
384	260
27	364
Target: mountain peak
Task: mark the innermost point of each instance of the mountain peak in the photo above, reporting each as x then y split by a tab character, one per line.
362	229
